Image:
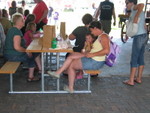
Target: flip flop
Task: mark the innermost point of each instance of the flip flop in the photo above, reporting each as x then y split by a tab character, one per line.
33	79
126	82
137	81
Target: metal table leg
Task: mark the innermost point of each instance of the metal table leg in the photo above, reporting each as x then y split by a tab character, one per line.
42	76
58	81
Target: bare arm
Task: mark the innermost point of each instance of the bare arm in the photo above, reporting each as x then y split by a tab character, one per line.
139	8
72	37
114	17
106	47
17	42
31	35
97	12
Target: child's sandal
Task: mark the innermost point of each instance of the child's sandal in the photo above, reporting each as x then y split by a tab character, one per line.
33	79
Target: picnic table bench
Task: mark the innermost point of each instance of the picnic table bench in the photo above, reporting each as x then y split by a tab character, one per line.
10	68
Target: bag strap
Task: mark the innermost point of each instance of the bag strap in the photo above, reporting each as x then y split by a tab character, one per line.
99	36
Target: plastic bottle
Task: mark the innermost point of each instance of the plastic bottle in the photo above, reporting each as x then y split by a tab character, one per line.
41	31
54	43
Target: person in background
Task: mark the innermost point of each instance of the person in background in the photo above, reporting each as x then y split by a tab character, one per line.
93	60
5	22
26	13
30	18
20	10
23	5
40	11
56	17
2	39
15	49
139	41
13	8
50	14
5	13
106	10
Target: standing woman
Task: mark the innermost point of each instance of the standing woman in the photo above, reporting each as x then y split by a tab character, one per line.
15	49
40	11
139	42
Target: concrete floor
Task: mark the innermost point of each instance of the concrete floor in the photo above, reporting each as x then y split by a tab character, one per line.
122	67
109	94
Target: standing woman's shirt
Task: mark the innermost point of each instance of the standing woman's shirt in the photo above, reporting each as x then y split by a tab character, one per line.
141	23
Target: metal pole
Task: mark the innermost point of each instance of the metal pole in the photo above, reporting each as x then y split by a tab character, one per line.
58	81
89	81
11	82
42	76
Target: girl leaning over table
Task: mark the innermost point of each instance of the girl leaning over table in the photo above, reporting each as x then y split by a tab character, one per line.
30	35
15	49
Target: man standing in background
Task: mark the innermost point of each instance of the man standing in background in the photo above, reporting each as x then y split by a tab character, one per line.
23	5
40	11
106	10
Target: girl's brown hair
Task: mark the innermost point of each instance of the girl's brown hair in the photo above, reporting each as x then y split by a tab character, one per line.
29	26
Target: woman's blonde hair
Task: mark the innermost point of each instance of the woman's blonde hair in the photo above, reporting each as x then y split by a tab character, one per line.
29	26
16	17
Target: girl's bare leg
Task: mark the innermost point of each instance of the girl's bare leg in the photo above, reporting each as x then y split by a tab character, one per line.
31	72
38	62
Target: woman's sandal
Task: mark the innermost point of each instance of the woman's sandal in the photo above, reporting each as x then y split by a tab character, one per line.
39	74
33	79
127	83
66	88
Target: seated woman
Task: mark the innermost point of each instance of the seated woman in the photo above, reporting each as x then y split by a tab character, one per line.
93	60
15	49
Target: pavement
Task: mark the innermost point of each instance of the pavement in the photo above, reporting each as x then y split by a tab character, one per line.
109	94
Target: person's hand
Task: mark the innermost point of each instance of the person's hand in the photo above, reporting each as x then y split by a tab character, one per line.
37	35
29	54
136	19
89	55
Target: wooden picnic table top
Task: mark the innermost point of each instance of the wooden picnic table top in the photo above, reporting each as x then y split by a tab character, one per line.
36	46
